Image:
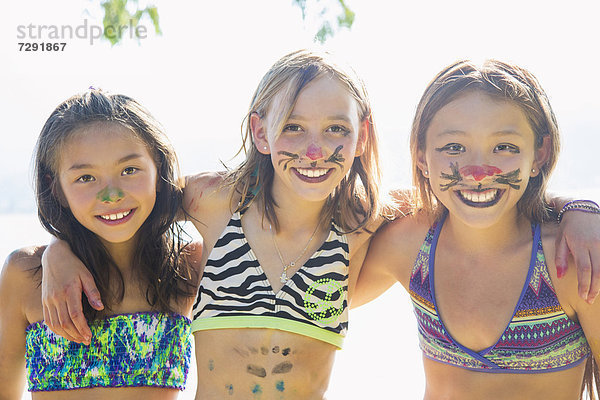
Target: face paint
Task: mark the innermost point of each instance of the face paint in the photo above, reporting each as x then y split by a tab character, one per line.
314	152
241	352
257	390
313	164
211	365
454	178
280	386
229	389
291	157
510	178
285	351
282	368
109	195
478	172
256	370
336	157
276	349
264	351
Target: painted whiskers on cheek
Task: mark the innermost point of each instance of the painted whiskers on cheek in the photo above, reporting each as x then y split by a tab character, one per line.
454	178
290	157
510	178
336	157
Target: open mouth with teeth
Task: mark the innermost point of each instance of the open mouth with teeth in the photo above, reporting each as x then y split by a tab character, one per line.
312	175
116	218
480	198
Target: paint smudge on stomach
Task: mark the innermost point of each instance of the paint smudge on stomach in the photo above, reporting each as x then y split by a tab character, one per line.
280	386
283	368
256	370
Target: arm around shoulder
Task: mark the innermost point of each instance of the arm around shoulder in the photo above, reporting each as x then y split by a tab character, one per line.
588	315
15	284
389	258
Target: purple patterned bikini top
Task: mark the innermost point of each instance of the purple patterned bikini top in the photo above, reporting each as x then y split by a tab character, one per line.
539	338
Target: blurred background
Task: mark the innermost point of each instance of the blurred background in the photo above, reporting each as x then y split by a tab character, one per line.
198	73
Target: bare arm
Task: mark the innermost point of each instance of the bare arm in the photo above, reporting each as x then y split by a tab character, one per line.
580	237
588	314
390	257
64	279
14	282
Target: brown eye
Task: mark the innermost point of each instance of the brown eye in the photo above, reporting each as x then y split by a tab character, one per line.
292	128
129	171
338	129
452	148
511	148
85	178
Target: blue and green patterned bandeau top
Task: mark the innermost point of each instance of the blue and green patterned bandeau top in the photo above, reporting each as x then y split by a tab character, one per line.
128	350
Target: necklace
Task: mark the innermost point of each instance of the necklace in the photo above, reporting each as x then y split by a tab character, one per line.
284	278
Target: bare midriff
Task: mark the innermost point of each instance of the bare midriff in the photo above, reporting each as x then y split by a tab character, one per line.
251	363
128	393
449	383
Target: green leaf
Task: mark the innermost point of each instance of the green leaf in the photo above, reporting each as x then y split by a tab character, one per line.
153	14
344	20
116	15
324	33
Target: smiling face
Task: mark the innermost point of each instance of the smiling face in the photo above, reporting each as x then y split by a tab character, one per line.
479	157
108	179
318	142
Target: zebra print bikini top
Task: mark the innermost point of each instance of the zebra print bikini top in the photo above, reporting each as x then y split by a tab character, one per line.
235	292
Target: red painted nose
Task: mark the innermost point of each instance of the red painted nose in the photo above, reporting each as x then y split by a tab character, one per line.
314	152
478	172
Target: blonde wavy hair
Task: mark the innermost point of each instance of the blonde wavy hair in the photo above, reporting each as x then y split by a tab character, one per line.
355	201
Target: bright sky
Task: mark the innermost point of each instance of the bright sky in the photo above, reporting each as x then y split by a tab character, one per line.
198	77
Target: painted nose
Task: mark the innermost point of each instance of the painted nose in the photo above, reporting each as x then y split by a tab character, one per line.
479	172
110	195
314	152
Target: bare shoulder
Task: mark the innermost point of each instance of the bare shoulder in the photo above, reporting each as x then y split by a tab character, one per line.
565	287
20	269
208	202
409	230
25	259
203	188
400	240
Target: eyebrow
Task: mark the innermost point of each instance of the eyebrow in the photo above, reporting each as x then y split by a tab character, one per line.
340	117
128	157
463	133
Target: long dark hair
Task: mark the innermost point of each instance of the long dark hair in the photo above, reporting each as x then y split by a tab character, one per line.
158	261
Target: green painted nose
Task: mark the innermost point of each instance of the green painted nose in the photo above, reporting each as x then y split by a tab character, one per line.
110	195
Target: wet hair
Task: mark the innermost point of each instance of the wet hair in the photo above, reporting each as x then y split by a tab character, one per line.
355	202
501	81
158	261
